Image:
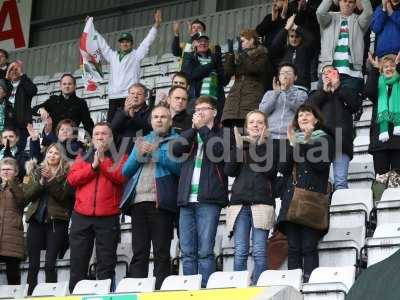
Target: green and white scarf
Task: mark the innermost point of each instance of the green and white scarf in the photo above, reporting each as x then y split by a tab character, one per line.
388	108
2	116
316	134
194	186
209	85
342	59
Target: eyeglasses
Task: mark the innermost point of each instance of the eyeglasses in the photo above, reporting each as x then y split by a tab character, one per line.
203	109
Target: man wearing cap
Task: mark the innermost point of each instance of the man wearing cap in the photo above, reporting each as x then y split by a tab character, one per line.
125	64
205	72
179	49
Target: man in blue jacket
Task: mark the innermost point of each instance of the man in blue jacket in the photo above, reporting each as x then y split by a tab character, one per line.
203	189
150	197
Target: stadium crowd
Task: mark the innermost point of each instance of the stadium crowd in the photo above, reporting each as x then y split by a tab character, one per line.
298	86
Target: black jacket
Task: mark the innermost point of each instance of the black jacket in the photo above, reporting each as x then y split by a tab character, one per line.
300	56
213	185
126	127
337	110
253	182
197	72
182	121
73	108
371	91
23	100
312	175
9	116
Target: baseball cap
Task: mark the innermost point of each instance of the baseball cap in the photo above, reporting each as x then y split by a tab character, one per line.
200	35
125	36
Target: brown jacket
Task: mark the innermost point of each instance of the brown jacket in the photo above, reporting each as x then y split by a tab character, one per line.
251	70
11	228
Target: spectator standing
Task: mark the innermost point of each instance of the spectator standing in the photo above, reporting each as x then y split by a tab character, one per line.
22	92
316	148
12	149
66	106
6	108
98	181
386	26
3	63
180	49
203	189
125	64
280	106
180	79
133	119
151	194
48	214
11	229
251	206
342	40
65	135
206	73
177	101
294	44
383	89
344	102
251	67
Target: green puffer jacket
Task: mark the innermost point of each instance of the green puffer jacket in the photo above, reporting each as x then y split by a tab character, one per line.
60	197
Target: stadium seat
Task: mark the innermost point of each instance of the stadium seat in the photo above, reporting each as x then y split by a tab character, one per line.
167	58
92	287
384	243
228	252
181	283
361	143
51	289
148	61
152	71
238	279
329	283
388	208
148	82
163	81
173	67
136	285
361	167
292	278
13	291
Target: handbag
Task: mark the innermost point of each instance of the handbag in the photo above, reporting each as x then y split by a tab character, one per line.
390	179
308	208
277	250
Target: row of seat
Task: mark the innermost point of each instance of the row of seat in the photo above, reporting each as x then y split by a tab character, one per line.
323	282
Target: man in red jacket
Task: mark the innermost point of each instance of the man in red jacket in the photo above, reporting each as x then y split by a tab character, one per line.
98	182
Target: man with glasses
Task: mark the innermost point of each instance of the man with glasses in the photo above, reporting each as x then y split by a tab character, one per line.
280	106
203	189
206	73
133	119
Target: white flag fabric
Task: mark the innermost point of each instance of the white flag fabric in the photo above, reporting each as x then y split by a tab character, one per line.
90	57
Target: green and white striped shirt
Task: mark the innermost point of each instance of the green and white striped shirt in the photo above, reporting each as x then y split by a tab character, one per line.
194	186
342	59
209	85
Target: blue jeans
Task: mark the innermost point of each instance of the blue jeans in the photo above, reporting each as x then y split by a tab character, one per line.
197	229
341	171
241	233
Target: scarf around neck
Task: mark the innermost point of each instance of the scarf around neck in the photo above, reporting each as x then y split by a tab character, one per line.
388	107
316	134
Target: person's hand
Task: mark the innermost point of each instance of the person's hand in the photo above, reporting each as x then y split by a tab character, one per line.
32	132
327	85
389	8
276	86
284	9
175	28
397	60
384	5
290	134
145	147
335	83
374	61
274	12
308	130
96	160
46	173
129	106
163	97
197	121
43	113
263	136
238	138
157	18
290	22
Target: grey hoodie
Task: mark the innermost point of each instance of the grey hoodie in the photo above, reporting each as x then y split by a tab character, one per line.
280	107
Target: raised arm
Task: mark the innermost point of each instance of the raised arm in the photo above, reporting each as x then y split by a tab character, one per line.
323	16
144	46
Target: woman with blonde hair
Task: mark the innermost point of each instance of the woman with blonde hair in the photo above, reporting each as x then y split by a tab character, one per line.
48	215
11	229
251	206
383	89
